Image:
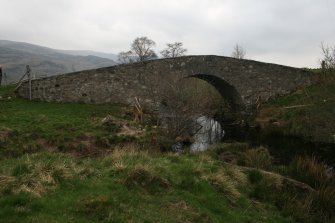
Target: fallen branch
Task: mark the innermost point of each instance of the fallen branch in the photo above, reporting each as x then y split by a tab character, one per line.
286	180
297	106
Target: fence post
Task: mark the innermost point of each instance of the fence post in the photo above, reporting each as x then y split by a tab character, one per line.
0	75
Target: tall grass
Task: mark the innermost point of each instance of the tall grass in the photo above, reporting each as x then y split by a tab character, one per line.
258	158
37	174
318	205
310	170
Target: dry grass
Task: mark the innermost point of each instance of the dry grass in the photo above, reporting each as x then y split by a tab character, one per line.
128	150
310	170
224	184
37	175
273	180
238	177
124	157
118	166
204	163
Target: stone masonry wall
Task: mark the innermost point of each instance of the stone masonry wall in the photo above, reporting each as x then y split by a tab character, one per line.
122	83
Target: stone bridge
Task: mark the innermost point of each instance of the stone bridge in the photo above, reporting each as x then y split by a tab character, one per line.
240	82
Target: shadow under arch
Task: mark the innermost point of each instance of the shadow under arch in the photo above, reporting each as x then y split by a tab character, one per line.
226	90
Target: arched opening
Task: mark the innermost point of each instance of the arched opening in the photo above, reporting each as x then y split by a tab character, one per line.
227	91
230	110
199	104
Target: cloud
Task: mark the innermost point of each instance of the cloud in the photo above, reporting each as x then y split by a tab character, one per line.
286	32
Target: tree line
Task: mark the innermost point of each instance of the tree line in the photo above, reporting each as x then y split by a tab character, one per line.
142	49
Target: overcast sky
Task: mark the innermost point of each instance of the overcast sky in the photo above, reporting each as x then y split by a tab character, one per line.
280	31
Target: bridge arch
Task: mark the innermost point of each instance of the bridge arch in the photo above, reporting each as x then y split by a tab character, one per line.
226	90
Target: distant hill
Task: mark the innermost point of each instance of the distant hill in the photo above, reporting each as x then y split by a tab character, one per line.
110	56
14	56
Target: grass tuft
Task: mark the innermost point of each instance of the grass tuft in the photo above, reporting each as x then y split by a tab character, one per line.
39	173
225	185
258	158
237	176
309	170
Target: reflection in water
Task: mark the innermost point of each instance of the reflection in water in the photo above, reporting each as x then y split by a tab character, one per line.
207	131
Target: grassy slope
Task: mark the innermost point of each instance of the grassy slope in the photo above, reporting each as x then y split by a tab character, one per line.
124	186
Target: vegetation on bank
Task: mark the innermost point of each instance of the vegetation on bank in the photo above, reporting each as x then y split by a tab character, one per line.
304	189
308	112
302	123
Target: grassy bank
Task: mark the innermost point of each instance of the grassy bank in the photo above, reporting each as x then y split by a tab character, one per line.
308	112
128	186
302	122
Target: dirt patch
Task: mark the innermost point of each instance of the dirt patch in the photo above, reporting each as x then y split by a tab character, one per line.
5	134
85	147
270	116
184	212
45	145
130	131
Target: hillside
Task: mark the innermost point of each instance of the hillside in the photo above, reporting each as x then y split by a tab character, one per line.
92	163
14	56
110	56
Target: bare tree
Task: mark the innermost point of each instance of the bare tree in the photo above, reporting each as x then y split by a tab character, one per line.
238	52
142	47
328	57
126	57
174	50
141	50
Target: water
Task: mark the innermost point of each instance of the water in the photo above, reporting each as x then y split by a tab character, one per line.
207	132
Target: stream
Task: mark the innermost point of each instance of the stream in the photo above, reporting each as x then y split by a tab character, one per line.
283	148
207	132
